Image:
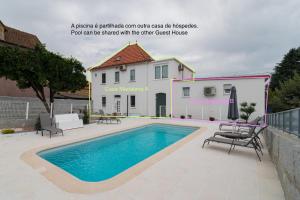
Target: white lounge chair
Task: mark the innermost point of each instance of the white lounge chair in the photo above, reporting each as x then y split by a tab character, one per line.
68	121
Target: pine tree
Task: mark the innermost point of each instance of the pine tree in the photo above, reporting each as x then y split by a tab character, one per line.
286	69
287	96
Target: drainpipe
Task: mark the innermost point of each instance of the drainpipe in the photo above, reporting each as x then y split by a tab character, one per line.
127	106
171	97
147	85
267	97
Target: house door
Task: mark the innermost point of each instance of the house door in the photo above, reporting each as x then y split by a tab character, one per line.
117	103
160	104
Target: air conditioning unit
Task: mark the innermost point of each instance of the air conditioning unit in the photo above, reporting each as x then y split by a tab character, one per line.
210	91
180	67
123	68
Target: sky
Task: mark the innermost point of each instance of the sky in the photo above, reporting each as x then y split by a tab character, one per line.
233	37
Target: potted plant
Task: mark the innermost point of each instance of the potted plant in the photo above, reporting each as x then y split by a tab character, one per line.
190	116
212	119
182	117
246	110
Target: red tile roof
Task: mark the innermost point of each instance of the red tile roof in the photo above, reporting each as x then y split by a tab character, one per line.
130	54
20	38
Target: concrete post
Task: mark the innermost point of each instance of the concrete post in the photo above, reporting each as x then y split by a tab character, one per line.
290	121
283	121
27	110
51	110
299	123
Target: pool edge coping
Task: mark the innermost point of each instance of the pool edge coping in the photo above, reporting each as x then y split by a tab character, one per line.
70	183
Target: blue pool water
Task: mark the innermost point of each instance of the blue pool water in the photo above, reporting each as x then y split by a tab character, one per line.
104	157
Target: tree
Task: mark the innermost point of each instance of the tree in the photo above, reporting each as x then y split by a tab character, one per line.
275	103
286	69
287	96
41	70
247	110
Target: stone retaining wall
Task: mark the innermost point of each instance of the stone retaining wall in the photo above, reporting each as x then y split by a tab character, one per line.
284	149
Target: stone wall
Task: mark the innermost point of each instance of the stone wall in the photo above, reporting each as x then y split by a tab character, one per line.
284	149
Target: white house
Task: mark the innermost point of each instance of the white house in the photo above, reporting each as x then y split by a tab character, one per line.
203	98
132	83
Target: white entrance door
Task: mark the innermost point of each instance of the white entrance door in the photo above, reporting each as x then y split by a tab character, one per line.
118	104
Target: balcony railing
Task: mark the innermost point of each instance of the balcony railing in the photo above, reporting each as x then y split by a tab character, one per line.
288	121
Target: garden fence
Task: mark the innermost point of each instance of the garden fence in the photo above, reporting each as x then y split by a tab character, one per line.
30	109
288	121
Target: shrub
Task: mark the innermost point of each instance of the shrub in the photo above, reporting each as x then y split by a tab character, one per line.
86	117
247	110
7	131
190	116
182	117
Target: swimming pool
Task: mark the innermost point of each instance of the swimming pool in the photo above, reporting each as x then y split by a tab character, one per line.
104	157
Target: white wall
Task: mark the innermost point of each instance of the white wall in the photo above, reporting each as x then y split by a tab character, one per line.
145	80
164	85
249	90
124	87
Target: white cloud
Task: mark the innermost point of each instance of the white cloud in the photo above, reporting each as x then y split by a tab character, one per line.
248	36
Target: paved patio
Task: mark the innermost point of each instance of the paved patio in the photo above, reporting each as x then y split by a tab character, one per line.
188	173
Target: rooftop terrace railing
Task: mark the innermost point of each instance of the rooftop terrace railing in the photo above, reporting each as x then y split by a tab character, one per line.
288	121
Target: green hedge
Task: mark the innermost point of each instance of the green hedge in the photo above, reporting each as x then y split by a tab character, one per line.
7	131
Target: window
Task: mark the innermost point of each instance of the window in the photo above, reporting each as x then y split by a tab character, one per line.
103	101
186	91
164	70
227	88
95	75
132	101
117	77
103	78
157	72
132	75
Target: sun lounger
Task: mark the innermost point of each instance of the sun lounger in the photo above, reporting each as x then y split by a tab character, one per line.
115	118
105	118
239	125
236	134
47	125
241	134
251	142
102	117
